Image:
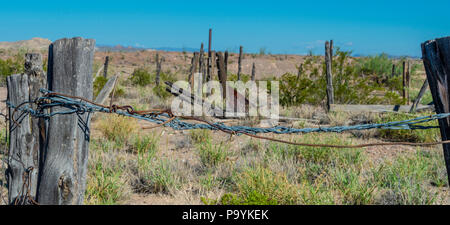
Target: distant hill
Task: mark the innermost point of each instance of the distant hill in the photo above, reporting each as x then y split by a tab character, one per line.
120	48
33	44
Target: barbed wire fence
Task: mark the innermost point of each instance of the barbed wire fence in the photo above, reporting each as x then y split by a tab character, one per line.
66	102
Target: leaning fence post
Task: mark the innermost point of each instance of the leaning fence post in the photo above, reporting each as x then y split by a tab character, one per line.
419	96
436	59
63	177
328	58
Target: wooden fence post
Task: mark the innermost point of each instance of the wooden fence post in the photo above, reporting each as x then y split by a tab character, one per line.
194	64
209	66
328	58
419	96
222	73
393	71
404	82
240	63
213	65
63	177
436	59
158	68
105	68
226	62
26	141
408	81
202	63
253	72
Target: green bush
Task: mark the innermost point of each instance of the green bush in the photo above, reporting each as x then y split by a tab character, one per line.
141	77
353	82
14	65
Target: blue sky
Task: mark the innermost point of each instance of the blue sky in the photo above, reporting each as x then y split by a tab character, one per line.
294	27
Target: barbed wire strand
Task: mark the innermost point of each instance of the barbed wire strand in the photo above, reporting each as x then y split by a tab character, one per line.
164	117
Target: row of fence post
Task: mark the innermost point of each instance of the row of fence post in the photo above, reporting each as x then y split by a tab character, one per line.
47	160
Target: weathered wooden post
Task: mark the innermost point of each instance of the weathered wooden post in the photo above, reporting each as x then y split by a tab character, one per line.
240	63
404	82
194	64
253	72
26	133
208	72
105	67
202	63
393	71
328	58
222	73
419	96
408	81
158	68
213	65
226	62
63	177
436	59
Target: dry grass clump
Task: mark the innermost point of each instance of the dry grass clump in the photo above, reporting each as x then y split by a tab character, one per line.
117	128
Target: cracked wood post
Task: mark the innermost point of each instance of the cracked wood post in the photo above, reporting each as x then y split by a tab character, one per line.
328	58
26	139
240	63
436	59
105	67
63	177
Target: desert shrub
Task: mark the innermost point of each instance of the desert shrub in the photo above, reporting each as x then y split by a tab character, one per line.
100	82
141	77
10	66
160	90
